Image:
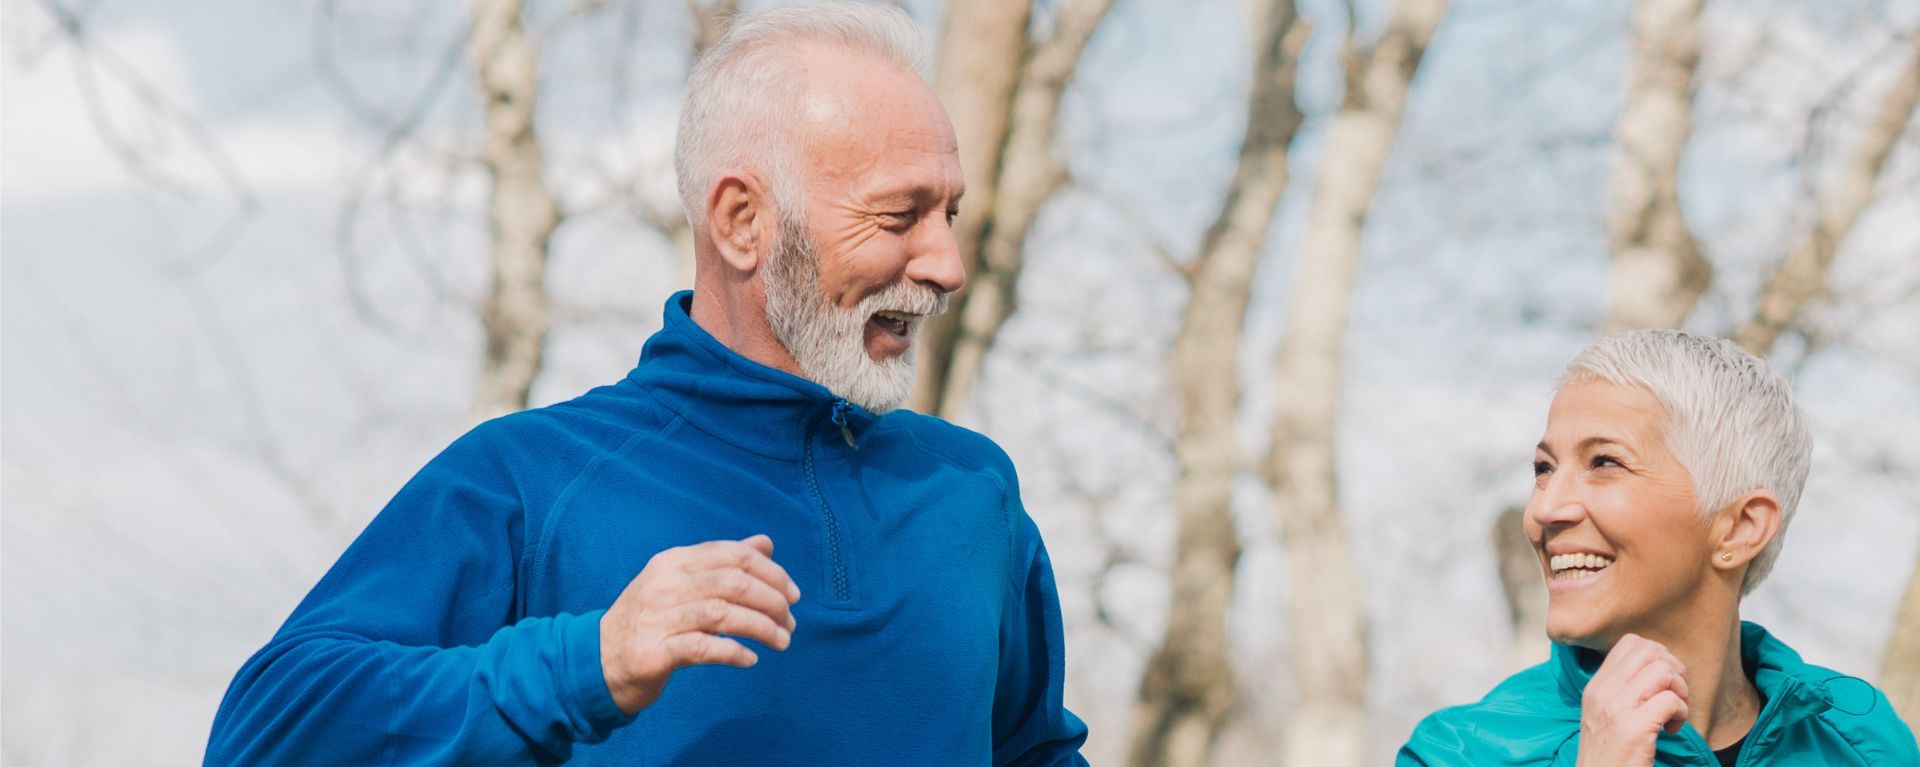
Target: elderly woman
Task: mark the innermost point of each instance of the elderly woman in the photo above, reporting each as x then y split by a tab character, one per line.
1671	465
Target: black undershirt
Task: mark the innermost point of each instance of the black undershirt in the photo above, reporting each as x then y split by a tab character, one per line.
1730	754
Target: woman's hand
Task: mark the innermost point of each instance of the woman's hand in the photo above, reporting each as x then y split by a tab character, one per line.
1639	690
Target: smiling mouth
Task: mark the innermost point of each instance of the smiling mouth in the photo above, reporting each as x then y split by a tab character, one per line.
900	324
1567	567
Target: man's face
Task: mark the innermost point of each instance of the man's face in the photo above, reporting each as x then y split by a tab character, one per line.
1613	519
872	254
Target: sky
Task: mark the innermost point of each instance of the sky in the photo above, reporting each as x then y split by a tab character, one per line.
213	380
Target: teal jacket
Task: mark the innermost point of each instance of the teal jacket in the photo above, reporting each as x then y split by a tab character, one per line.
1813	716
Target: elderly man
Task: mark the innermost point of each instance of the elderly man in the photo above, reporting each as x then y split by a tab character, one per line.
491	614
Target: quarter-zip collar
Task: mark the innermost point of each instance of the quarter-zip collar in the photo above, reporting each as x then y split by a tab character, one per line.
744	403
1792	689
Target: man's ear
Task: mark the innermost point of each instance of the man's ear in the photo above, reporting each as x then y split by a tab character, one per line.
1745	529
740	219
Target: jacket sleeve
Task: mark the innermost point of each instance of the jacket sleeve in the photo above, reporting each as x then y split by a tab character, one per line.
408	652
1031	726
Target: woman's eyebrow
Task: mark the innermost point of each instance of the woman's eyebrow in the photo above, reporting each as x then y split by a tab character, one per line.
1592	442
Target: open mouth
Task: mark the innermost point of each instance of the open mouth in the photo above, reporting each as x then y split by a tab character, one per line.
899	324
1567	567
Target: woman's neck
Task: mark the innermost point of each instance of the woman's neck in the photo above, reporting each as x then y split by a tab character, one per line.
1722	703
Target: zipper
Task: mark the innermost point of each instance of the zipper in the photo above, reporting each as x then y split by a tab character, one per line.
840	408
836	565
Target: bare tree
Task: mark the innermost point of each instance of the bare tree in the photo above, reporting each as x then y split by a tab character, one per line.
1525	587
979	69
1327	620
1023	172
1900	664
1187	690
522	212
1802	276
1658	272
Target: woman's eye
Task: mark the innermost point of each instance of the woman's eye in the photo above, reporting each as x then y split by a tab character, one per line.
1601	461
1542	468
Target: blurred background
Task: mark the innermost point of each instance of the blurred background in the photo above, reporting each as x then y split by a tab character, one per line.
1267	294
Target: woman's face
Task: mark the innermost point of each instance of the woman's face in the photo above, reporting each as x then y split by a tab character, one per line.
1613	519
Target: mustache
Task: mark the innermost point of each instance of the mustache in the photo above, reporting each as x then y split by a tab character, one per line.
906	297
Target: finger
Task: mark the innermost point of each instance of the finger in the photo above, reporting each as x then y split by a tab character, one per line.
760	543
697	649
1653	679
718	554
718	616
736	586
1623	660
1668	709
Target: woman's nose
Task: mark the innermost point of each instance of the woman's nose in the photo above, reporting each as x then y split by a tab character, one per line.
1558	504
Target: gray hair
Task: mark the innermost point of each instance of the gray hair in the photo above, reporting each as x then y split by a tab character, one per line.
1731	420
745	94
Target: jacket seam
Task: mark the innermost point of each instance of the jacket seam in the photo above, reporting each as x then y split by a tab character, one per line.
680	415
542	547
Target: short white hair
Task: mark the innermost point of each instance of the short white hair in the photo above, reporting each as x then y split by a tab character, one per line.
745	93
1731	420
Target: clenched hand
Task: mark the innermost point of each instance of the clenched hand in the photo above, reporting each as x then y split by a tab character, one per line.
674	613
1640	689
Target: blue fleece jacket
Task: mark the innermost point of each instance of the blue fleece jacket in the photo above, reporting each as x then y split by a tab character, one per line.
462	627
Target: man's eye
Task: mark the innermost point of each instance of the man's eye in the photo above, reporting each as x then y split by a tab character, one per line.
902	219
951	215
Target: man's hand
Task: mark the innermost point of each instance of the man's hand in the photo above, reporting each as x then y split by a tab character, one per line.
674	612
1639	690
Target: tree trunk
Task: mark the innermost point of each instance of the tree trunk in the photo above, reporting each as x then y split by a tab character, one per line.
1803	275
979	68
710	21
522	212
1187	691
1658	273
1900	666
1027	176
1327	619
1526	589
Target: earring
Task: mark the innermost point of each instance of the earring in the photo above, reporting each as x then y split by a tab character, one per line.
1726	556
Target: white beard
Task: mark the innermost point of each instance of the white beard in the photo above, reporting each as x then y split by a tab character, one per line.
829	342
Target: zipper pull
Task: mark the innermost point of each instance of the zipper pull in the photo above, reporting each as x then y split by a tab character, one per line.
840	406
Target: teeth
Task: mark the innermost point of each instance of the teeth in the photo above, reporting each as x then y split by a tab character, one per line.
901	316
1567	562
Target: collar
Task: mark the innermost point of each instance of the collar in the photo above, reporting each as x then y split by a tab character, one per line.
741	402
1793	689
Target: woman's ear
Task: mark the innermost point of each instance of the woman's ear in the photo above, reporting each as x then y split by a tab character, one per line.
1745	529
739	219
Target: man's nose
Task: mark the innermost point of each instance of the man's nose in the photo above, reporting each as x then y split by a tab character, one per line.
935	260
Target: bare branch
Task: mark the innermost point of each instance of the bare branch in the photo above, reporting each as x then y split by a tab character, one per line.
1803	275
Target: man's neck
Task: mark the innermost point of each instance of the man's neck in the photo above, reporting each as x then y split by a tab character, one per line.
740	323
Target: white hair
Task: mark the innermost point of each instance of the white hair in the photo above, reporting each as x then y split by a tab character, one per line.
1731	420
745	93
